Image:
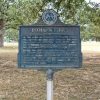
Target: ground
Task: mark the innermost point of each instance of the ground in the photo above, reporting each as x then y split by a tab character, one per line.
69	84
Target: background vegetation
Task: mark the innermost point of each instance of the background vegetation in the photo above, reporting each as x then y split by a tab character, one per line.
18	12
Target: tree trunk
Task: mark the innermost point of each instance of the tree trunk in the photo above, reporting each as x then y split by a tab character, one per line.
1	40
1	32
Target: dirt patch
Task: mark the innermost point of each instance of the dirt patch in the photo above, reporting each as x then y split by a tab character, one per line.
69	84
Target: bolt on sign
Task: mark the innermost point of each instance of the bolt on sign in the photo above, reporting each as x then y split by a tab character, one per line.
49	44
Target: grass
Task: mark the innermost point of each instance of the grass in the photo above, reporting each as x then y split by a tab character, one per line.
69	84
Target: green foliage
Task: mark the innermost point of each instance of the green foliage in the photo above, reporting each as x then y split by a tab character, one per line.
19	12
2	9
11	34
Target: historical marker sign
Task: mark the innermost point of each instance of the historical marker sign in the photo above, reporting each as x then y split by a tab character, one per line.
49	44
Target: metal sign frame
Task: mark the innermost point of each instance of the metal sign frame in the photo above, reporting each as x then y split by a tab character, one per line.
67	30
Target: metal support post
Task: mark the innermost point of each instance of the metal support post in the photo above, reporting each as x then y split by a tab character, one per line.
50	84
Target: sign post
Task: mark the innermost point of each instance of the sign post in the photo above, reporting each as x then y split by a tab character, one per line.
49	45
50	84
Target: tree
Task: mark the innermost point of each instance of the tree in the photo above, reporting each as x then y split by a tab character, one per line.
93	20
1	22
4	4
19	12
